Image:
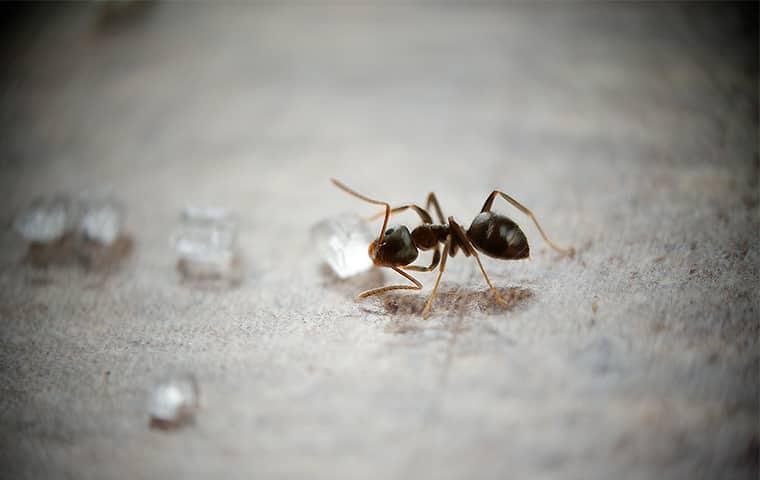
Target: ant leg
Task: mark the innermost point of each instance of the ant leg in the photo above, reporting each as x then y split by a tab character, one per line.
431	200
368	200
377	291
429	303
570	251
424	215
433	263
488	281
466	245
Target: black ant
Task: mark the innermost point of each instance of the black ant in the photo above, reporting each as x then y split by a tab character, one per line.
492	234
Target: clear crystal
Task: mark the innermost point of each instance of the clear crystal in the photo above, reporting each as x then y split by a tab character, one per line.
46	220
343	241
206	243
65	230
173	402
102	222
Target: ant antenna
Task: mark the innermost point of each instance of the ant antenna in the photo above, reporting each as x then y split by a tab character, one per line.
368	200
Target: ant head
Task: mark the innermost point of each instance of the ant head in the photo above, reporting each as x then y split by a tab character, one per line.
396	250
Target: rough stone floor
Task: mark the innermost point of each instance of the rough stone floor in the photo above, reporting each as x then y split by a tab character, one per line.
631	130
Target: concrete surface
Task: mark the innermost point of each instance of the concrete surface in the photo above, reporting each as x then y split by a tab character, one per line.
631	130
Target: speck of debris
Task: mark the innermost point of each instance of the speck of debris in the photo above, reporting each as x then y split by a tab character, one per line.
752	452
594	307
401	328
658	327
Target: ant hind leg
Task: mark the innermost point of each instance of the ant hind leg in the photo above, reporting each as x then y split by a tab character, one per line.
569	251
462	237
496	294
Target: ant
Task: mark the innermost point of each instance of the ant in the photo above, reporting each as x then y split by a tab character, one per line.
490	233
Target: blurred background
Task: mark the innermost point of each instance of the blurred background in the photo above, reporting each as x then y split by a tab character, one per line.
630	130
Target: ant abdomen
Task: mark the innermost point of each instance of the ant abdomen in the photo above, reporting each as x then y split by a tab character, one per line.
498	236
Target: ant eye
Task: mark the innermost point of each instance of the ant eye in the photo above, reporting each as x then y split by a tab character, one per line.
389	231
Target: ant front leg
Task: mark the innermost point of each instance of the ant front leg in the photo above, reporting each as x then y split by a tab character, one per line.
377	291
569	251
431	267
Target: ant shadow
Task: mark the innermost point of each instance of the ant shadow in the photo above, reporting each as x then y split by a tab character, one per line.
350	287
98	261
452	307
456	301
450	302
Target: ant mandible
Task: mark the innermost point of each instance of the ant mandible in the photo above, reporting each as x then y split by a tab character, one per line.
490	233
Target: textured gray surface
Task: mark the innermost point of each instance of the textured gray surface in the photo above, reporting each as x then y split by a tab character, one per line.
630	130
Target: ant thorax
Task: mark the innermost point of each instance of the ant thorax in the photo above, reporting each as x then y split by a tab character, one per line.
427	236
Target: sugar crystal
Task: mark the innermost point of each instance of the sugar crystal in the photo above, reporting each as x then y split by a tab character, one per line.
46	220
101	223
206	245
342	241
173	402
